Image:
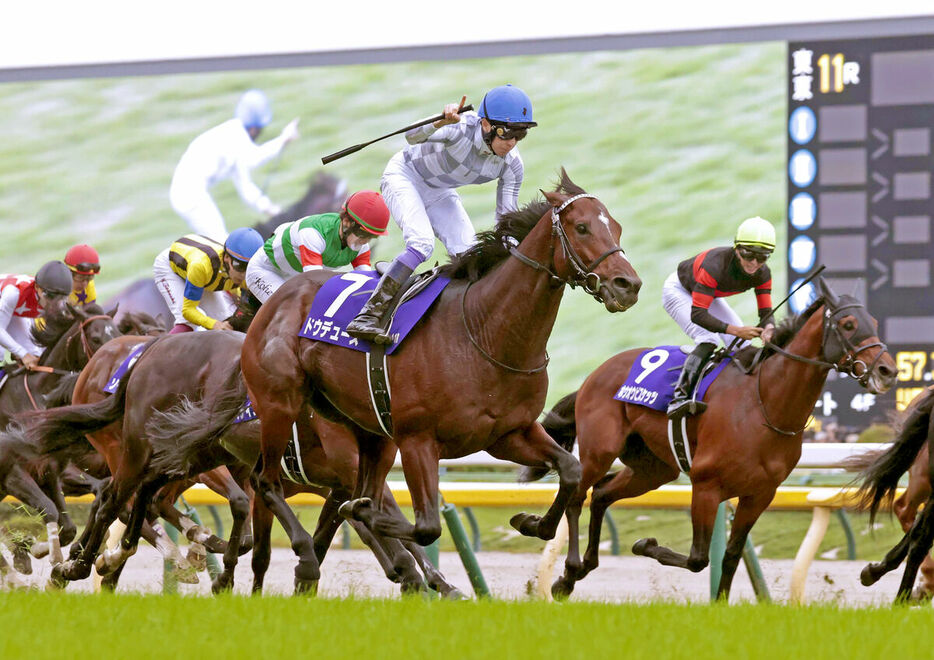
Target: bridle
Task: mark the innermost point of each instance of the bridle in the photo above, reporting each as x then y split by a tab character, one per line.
839	353
581	275
82	333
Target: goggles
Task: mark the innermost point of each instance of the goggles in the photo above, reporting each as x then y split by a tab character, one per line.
749	254
238	264
86	268
507	133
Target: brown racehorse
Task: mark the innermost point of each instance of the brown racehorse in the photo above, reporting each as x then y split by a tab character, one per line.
911	452
69	341
743	446
471	376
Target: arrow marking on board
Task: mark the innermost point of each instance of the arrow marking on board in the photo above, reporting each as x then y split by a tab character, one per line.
884	139
882	224
882	181
884	273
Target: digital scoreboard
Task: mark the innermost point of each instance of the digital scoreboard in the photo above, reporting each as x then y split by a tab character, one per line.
860	119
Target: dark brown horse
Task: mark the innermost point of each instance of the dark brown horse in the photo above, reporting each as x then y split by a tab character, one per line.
743	446
910	452
69	341
470	377
325	194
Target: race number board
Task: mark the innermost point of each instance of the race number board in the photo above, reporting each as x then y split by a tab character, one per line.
860	118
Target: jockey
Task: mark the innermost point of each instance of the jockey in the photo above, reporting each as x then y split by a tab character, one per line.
227	151
419	186
195	274
329	240
84	263
22	299
693	297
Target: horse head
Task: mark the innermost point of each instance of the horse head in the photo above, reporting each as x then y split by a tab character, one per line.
325	194
588	251
851	342
91	329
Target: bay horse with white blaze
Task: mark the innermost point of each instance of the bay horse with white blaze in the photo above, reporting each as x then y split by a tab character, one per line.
469	377
743	446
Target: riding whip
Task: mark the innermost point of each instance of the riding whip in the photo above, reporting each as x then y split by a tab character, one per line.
357	147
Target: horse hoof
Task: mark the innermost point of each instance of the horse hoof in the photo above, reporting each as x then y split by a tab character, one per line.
562	589
455	594
642	546
246	544
38	550
413	587
527	524
306	587
198	557
867	576
222	583
350	508
21	560
186	575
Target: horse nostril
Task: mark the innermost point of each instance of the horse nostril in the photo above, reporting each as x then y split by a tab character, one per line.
627	284
886	372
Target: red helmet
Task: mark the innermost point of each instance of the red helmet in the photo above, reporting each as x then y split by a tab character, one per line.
369	211
83	259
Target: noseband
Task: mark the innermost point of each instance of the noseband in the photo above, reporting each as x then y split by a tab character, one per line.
581	275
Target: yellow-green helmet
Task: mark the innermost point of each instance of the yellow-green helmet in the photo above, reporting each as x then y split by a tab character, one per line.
756	233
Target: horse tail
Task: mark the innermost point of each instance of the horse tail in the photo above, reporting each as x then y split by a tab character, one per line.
562	427
880	478
182	434
53	430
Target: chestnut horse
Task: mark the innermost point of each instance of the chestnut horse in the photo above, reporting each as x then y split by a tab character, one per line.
911	452
743	446
470	376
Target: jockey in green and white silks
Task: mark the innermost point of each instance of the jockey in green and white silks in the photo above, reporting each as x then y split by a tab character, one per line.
328	240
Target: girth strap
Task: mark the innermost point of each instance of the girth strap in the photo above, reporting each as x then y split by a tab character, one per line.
377	374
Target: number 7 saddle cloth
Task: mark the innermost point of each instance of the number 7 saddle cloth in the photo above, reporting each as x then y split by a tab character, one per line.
652	378
343	296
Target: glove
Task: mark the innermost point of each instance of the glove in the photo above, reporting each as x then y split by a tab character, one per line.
290	132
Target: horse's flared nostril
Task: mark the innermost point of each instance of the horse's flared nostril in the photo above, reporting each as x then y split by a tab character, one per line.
627	284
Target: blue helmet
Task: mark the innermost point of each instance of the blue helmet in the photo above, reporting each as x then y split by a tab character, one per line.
243	243
507	105
253	109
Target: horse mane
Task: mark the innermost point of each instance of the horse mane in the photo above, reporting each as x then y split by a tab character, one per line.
56	327
139	323
492	246
784	331
325	194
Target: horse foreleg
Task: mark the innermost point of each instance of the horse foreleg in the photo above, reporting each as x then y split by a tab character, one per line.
110	560
239	511
704	502
747	513
262	533
872	572
20	484
533	447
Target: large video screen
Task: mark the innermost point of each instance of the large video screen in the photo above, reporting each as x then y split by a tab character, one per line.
681	144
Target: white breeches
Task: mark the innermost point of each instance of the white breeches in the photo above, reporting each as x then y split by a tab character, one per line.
677	302
423	212
200	212
216	304
263	278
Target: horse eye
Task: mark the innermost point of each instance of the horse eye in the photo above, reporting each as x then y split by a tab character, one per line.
849	326
581	229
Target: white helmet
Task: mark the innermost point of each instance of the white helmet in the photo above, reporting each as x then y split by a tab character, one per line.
253	109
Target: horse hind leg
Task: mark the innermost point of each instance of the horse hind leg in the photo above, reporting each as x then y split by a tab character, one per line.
704	502
240	511
922	536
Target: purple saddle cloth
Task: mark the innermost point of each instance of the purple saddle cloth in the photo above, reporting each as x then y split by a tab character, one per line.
343	296
651	381
124	367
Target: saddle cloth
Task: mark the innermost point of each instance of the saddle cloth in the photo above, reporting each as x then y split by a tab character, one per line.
124	367
343	296
652	378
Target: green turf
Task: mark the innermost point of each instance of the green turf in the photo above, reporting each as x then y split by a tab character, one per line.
125	626
681	144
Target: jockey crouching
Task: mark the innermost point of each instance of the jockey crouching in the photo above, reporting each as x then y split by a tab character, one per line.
330	240
419	186
84	263
197	277
694	297
23	299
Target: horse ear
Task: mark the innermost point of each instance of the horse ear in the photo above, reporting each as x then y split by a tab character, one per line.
112	313
553	198
827	292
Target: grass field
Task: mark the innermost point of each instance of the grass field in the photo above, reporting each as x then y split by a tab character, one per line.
62	625
681	144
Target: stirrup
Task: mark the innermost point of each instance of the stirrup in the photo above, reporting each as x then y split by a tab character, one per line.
689	406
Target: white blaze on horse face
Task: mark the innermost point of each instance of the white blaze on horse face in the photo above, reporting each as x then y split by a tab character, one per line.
606	223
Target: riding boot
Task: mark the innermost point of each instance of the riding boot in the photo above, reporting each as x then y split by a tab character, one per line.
682	404
372	322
